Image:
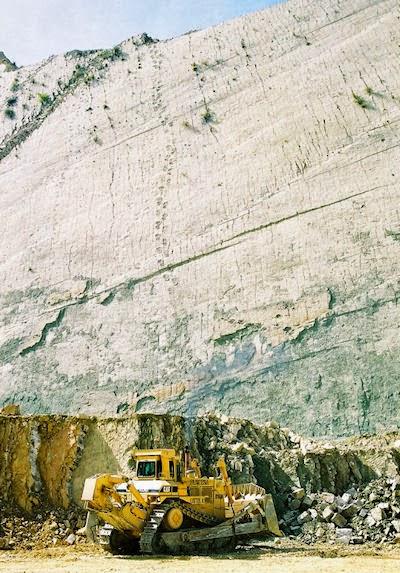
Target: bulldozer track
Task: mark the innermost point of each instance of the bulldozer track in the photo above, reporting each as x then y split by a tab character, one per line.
149	535
148	539
196	515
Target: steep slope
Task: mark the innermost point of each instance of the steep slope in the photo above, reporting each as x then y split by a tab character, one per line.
209	223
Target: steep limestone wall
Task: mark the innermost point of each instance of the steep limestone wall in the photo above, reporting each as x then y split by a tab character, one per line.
209	223
44	460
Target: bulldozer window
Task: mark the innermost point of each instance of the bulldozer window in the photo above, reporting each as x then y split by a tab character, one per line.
146	469
171	469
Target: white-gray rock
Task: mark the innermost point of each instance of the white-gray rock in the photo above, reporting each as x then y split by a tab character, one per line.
377	514
396	525
304	517
344	534
327	513
71	539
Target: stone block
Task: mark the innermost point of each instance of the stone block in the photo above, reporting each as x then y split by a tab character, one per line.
395	509
377	514
289	516
396	525
307	501
338	520
298	493
328	497
346	498
370	521
304	517
327	513
344	534
71	539
349	511
294	503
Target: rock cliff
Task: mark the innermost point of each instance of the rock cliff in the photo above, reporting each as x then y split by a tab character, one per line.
209	223
44	460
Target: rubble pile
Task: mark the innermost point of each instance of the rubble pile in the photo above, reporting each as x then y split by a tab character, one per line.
364	514
46	529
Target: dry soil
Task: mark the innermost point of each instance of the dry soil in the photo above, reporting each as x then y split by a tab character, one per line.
286	558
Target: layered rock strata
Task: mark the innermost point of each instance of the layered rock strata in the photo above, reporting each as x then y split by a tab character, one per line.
209	223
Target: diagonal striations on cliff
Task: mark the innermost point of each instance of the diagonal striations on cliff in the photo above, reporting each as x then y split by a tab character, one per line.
229	199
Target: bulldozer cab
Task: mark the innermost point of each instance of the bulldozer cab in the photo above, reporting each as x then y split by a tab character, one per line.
157	465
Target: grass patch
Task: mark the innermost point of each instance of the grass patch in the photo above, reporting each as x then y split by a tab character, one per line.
15	86
371	92
362	102
12	101
395	235
205	65
82	74
143	40
112	54
208	116
44	99
10	113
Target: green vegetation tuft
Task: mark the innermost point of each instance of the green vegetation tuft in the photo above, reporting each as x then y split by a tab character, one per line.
81	74
12	101
395	235
112	54
44	99
15	86
208	116
10	113
362	102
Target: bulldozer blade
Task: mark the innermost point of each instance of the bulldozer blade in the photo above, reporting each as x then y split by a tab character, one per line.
272	525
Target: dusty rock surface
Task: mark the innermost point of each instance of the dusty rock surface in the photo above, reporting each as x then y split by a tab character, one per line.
198	224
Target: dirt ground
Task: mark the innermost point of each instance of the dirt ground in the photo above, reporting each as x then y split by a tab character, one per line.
286	557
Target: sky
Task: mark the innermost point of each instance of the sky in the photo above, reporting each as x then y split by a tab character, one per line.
31	30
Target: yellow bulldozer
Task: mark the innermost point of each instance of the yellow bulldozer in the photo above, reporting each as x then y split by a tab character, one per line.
169	507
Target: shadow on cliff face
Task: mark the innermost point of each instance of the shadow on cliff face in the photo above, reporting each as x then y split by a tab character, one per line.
333	471
271	476
97	457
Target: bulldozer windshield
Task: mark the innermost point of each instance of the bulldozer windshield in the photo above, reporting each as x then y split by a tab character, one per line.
146	468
